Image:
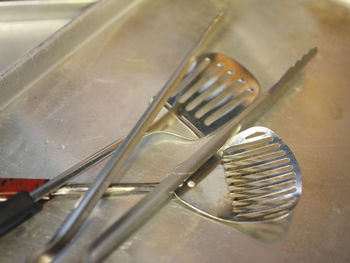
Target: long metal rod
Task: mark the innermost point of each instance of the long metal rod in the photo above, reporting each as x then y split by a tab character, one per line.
115	235
113	190
78	189
69	174
112	170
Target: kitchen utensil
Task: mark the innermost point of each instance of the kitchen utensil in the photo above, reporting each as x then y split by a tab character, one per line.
112	170
263	181
137	215
262	175
12	186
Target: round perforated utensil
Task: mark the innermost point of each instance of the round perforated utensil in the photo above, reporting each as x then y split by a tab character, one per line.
259	180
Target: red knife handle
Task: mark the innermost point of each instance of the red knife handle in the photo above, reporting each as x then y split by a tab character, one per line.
11	186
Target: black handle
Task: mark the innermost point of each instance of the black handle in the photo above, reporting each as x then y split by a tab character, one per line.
16	210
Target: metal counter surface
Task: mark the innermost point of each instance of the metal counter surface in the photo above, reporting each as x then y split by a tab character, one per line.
95	94
25	24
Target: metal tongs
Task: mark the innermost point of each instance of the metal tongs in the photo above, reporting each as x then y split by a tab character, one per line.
115	235
112	170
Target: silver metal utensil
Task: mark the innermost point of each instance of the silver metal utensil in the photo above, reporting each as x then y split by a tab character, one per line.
112	170
262	175
261	181
78	189
114	236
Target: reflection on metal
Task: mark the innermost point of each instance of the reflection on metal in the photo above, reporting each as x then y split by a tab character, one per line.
25	24
270	232
113	190
21	11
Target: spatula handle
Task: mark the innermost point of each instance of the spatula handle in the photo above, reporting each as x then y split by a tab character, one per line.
21	206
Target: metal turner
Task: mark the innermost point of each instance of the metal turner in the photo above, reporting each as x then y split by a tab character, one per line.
215	90
261	180
262	175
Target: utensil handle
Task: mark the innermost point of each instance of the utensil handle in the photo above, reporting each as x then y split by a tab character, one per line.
12	186
24	206
134	218
21	207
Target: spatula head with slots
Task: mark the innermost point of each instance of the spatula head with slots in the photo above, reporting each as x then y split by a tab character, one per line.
215	90
259	180
262	176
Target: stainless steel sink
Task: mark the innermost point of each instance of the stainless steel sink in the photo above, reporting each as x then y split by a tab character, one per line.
25	24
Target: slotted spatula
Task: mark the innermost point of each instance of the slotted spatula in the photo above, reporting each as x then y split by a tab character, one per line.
261	180
262	175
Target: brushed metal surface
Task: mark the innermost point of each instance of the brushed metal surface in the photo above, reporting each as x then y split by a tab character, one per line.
95	95
25	24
